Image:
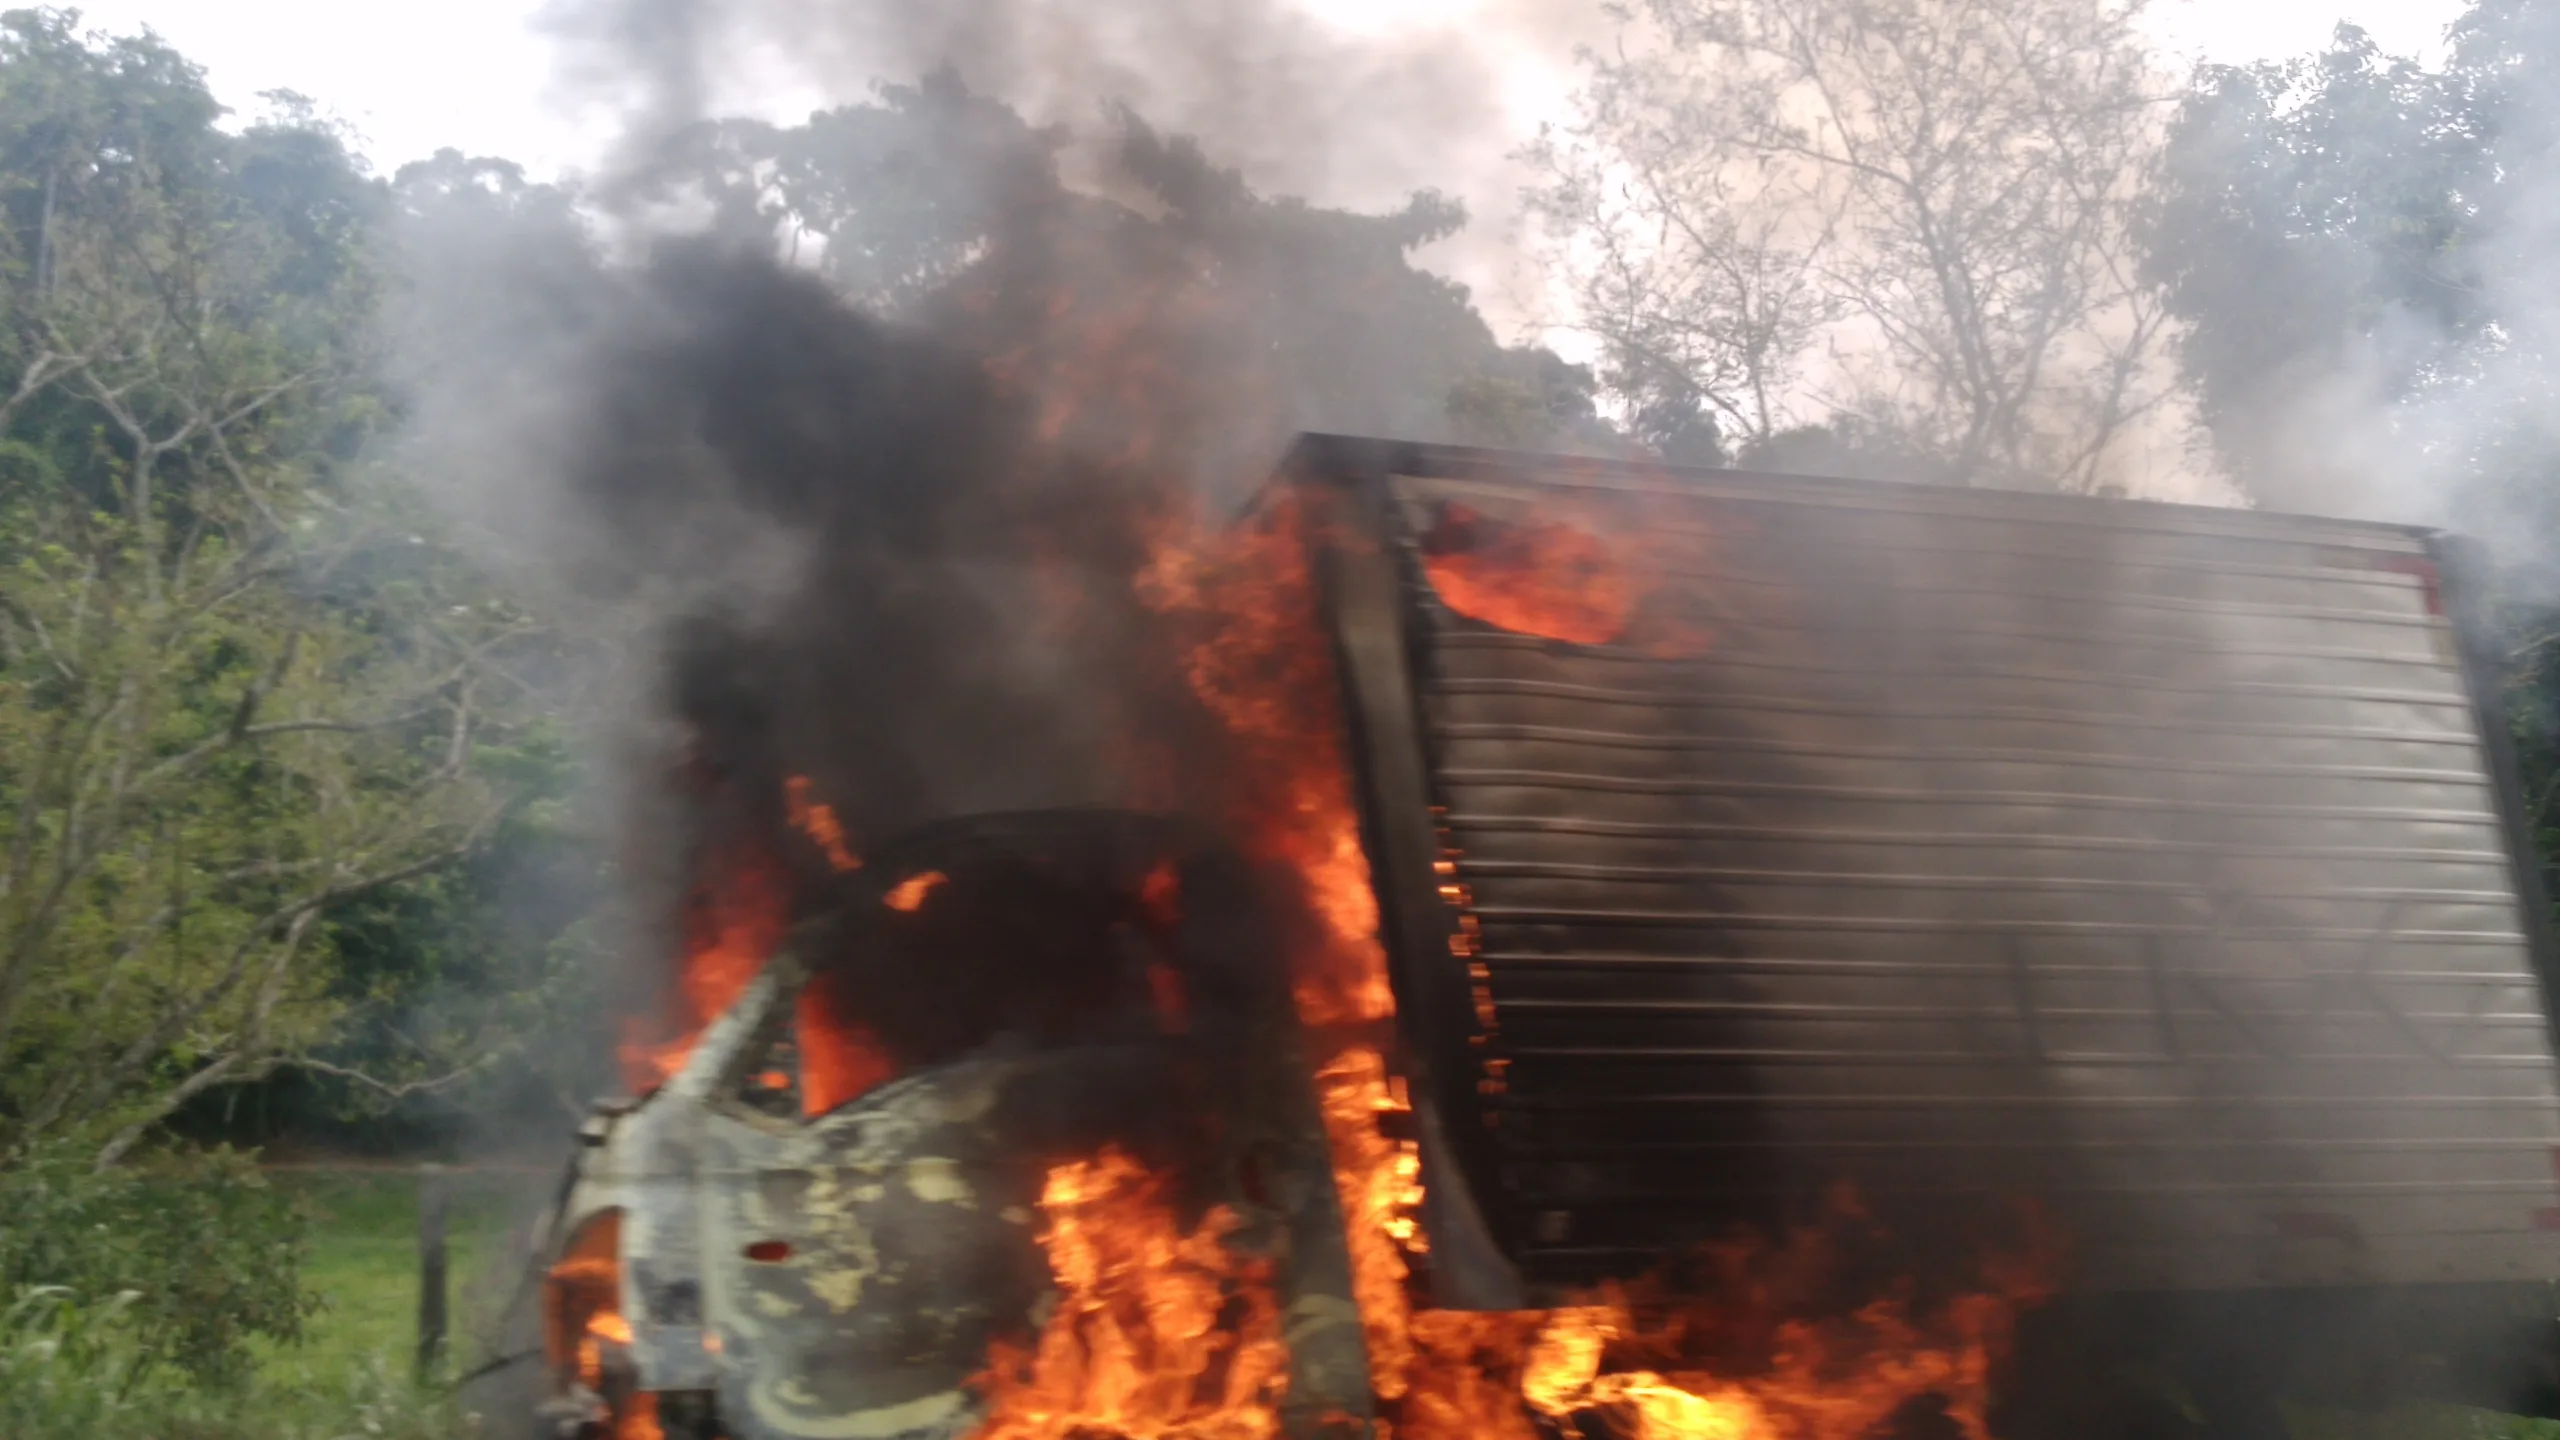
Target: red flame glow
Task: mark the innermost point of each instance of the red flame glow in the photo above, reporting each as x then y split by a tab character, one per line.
908	895
817	819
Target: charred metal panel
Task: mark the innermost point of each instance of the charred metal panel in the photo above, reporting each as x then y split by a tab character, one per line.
2145	859
1364	605
643	1163
859	1265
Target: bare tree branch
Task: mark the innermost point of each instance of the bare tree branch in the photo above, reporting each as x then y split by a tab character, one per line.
1935	194
399	1090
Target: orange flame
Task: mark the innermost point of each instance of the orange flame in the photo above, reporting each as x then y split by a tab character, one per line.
1379	1182
1749	1367
1580	575
817	820
840	1059
734	924
582	1314
909	894
1159	1329
1743	1367
1539	577
1159	1332
1257	661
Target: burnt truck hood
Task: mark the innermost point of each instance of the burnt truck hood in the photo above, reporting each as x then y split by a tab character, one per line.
843	1275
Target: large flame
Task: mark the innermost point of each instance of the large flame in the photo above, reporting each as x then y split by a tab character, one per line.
1255	656
734	922
1258	661
1159	1330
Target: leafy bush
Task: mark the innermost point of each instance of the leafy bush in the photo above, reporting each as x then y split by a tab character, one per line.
182	1259
74	1371
72	1365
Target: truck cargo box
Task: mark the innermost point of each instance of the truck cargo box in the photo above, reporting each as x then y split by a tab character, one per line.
2164	864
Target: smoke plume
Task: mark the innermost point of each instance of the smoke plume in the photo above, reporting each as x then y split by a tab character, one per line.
2373	251
864	502
1355	108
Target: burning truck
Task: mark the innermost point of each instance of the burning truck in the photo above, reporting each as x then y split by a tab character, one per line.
1705	954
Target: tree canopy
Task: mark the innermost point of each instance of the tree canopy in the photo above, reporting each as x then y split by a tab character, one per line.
2359	250
241	688
1913	216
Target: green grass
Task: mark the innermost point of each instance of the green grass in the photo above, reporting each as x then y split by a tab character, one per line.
364	1261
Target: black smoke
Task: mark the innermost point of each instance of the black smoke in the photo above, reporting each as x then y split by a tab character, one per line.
950	635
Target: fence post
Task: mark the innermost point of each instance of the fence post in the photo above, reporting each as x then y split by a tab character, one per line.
432	1194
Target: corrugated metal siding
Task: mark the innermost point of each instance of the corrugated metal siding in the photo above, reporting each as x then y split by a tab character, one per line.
2142	862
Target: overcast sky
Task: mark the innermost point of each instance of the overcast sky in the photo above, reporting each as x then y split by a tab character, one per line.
413	76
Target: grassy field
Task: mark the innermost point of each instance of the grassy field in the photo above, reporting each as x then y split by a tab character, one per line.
364	1259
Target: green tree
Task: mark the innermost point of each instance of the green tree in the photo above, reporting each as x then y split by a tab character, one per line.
2311	231
2361	251
240	688
2364	255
